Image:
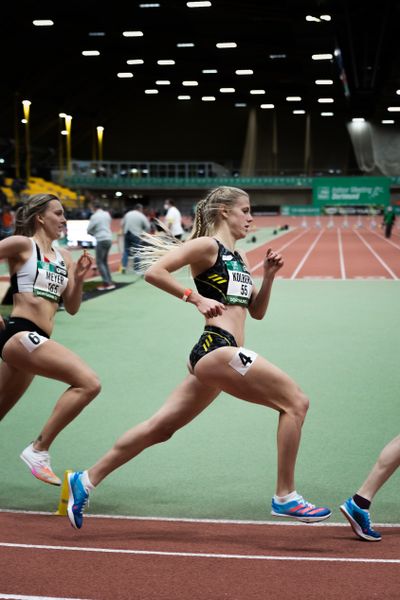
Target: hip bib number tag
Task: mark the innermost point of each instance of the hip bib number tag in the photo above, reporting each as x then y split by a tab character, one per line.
32	340
243	360
240	283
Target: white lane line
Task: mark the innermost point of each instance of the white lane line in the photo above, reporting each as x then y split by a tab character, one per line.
378	258
19	597
259	264
217	555
194	520
341	256
307	254
381	237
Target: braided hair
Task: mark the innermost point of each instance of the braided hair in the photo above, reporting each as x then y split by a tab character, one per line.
205	221
207	210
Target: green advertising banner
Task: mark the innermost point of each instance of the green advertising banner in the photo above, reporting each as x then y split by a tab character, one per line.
337	191
300	210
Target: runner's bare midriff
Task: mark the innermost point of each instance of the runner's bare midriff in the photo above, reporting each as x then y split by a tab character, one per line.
38	310
232	320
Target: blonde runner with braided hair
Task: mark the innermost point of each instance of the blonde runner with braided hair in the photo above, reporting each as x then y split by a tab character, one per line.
224	294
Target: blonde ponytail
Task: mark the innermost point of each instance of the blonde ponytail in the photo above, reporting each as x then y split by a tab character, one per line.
206	218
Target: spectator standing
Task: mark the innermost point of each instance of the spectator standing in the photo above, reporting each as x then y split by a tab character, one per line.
388	221
173	219
100	228
134	223
7	221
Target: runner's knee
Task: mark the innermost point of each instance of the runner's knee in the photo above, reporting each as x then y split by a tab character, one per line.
298	405
91	387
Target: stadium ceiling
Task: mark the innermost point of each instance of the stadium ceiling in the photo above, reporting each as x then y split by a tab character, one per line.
274	42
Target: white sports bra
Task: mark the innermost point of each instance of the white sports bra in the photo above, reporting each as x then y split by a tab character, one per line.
41	276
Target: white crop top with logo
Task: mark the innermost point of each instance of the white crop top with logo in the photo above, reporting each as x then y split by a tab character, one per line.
41	276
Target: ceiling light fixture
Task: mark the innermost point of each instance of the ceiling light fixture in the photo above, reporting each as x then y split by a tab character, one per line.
132	33
322	56
198	4
43	23
226	45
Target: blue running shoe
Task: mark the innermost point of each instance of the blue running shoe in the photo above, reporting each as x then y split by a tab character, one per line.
360	521
301	510
78	497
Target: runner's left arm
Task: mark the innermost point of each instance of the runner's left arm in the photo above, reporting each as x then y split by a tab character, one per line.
72	296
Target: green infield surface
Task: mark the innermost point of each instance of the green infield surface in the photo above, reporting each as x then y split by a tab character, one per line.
338	339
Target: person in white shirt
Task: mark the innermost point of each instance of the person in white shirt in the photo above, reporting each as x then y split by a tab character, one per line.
134	223
100	228
173	219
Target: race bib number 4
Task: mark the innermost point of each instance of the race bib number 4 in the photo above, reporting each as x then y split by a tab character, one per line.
243	360
240	283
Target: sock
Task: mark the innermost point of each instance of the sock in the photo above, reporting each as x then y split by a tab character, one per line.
87	484
361	502
287	498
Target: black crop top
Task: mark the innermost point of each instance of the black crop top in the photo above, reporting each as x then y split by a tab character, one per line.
228	280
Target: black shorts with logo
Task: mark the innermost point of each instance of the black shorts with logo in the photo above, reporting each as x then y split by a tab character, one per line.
211	339
15	325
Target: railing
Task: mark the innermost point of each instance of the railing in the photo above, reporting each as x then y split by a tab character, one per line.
183	182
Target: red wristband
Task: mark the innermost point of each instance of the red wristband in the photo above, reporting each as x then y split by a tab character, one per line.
186	294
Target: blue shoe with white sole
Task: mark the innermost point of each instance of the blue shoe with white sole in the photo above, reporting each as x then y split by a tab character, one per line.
360	521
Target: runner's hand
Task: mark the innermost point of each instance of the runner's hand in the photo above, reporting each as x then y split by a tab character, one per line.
209	308
83	265
273	262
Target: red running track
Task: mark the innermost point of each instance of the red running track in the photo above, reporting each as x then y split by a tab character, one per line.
128	559
332	253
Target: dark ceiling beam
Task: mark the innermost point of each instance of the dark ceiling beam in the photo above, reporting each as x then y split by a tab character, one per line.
351	44
388	5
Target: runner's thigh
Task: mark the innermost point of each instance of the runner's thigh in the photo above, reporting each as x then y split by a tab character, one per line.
49	359
263	382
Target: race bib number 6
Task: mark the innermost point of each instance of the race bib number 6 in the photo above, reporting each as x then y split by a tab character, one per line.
32	340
